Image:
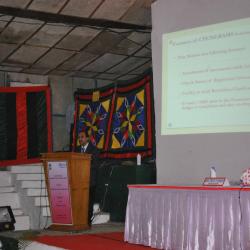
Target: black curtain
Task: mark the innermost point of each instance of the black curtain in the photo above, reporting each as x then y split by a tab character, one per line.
8	128
37	124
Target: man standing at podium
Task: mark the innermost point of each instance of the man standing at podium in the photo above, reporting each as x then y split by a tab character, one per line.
87	147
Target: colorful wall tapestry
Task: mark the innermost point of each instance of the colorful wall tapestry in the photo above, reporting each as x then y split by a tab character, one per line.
118	119
25	124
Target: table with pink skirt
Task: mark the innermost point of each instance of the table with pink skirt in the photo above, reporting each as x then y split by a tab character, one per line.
190	218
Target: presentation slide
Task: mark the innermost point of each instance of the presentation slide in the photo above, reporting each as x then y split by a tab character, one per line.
206	79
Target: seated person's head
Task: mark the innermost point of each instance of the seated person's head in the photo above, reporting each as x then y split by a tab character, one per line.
83	138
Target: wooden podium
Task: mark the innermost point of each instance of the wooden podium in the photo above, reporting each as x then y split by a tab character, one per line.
67	179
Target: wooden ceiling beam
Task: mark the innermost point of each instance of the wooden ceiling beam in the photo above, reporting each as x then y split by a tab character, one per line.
70	20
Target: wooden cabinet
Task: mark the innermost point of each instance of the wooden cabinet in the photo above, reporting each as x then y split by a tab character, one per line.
67	178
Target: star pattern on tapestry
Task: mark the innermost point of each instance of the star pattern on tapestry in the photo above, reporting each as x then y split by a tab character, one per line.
119	118
129	122
93	121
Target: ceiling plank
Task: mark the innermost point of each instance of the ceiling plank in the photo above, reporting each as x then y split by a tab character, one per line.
70	20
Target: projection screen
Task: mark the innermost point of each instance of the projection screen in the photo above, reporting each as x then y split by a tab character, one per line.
206	79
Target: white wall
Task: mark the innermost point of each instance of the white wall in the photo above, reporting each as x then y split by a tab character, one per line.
186	159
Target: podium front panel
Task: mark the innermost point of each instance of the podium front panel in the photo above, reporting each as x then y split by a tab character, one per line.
67	179
60	200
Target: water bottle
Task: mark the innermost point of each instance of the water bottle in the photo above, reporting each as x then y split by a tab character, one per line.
212	172
138	160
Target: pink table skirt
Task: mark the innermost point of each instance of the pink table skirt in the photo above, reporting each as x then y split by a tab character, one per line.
190	218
